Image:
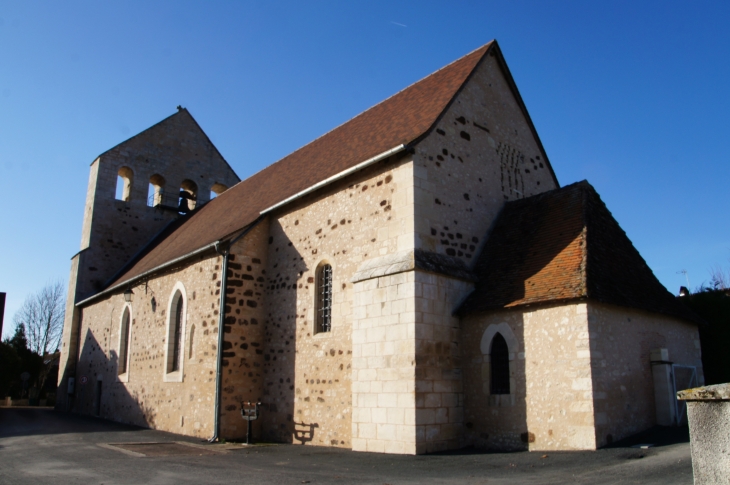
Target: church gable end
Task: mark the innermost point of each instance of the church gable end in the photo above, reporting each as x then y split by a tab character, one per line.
482	152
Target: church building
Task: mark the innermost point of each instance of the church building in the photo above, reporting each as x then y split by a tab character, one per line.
415	280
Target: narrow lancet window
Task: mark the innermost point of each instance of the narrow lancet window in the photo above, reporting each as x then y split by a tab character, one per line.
124	331
499	364
324	298
177	335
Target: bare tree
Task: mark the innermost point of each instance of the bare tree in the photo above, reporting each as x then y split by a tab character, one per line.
719	278
42	316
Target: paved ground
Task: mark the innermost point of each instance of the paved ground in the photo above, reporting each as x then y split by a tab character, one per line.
42	446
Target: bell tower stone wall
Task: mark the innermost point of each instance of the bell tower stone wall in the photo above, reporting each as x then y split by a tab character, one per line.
134	192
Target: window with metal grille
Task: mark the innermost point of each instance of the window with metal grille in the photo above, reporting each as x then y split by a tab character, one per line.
124	342
177	335
324	299
499	364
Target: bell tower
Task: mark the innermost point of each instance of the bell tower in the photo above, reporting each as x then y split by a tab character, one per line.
135	190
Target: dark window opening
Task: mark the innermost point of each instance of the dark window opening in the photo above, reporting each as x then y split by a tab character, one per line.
324	299
188	196
124	342
499	364
177	335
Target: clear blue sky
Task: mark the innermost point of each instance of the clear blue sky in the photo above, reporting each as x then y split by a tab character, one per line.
633	96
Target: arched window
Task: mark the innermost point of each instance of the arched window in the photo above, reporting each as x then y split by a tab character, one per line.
188	196
176	333
499	365
323	294
125	177
175	343
216	190
124	332
155	191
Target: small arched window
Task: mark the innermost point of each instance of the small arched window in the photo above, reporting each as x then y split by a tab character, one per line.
124	333
125	177
216	190
188	196
323	293
155	191
175	329
499	365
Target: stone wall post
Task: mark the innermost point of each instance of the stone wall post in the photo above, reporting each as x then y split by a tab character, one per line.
708	413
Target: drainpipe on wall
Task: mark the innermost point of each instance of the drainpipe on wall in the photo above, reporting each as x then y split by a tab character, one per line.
221	321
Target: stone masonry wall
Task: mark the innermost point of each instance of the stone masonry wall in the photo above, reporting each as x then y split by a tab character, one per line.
621	341
439	385
146	399
245	334
307	375
481	154
550	406
384	364
113	230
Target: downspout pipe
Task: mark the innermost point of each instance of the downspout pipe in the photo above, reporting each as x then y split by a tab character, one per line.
221	320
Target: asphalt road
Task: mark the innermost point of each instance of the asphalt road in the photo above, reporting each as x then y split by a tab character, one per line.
39	446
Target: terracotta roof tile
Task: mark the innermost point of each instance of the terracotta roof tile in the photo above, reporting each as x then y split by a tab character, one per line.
400	119
565	245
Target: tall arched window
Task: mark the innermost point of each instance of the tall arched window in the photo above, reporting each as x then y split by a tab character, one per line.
125	177
175	343
125	330
499	365
155	191
323	294
176	331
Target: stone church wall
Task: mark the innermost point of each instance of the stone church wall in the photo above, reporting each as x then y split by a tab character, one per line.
142	396
481	154
245	348
308	376
384	371
113	231
550	405
439	377
623	388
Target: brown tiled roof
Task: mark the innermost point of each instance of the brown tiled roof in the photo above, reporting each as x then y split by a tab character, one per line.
400	119
565	245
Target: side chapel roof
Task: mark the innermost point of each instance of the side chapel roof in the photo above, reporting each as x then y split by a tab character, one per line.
565	245
401	119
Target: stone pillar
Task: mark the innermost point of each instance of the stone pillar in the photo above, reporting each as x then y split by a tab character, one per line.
665	402
708	413
383	365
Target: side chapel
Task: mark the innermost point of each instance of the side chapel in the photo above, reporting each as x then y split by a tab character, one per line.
414	280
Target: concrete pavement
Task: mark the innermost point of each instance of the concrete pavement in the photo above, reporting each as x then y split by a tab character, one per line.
43	446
